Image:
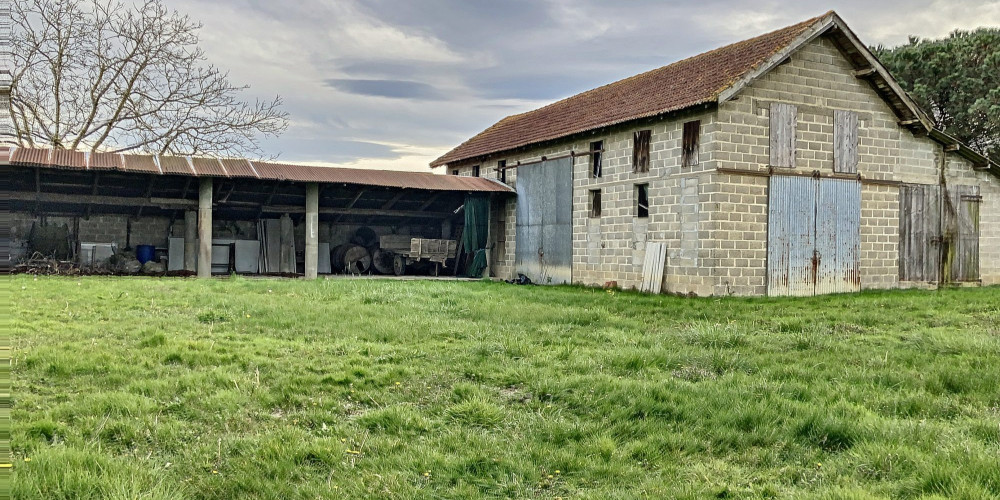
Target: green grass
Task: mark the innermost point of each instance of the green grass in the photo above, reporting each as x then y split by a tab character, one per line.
158	388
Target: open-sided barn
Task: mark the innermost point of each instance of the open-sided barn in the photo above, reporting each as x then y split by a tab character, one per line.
787	164
238	215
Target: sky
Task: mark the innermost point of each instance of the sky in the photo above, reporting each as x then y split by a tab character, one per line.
393	84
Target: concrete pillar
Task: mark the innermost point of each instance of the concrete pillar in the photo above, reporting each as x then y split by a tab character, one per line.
312	230
205	228
190	240
286	261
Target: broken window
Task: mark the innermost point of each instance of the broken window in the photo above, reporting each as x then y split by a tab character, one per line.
642	200
595	203
689	146
640	150
783	121
502	171
475	170
845	142
596	148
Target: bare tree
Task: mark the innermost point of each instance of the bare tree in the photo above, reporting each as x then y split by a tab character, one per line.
98	75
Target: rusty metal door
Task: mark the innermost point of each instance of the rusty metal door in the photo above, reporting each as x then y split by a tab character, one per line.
814	236
838	236
544	246
791	238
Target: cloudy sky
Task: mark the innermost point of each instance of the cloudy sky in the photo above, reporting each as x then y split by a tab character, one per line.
395	83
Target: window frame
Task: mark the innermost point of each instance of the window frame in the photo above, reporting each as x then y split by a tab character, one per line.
596	159
640	191
502	171
641	140
595	205
690	144
475	170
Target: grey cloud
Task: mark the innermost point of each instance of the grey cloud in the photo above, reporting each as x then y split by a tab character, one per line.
514	55
396	89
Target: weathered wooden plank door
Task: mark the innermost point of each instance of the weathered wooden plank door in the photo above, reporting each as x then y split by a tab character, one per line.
920	232
838	236
544	228
963	250
814	236
791	238
783	120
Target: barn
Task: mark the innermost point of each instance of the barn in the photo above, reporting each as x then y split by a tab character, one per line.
223	216
787	164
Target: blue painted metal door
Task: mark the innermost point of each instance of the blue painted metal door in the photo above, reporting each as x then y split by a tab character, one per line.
544	251
838	236
814	236
791	238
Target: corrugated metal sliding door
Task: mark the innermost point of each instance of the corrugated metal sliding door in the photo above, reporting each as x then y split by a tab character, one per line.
814	236
544	247
838	236
791	236
919	232
963	225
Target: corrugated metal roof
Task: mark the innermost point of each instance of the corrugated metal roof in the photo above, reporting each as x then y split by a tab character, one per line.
209	167
104	161
239	168
140	163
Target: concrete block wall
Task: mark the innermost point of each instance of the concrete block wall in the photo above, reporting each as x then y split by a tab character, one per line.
96	229
818	80
738	235
879	236
612	247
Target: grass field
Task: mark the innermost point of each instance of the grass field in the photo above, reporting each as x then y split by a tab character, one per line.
238	388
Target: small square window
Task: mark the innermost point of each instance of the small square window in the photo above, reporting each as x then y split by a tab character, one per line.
689	154
595	203
642	201
502	171
454	172
596	148
475	170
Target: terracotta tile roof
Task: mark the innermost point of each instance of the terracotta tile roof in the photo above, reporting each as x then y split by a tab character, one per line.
242	168
697	80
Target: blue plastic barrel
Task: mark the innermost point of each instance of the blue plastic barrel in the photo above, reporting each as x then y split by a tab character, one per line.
144	253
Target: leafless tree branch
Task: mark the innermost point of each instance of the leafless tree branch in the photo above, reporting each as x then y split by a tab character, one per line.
103	76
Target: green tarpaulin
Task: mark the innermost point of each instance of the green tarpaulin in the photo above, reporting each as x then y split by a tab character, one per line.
477	220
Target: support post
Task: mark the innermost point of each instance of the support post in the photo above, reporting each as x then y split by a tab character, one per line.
205	228
190	240
312	231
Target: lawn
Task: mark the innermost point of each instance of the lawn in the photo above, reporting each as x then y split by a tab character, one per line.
283	389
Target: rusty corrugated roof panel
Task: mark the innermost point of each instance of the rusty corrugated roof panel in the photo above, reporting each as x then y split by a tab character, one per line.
140	163
206	167
105	161
239	168
384	178
177	165
31	157
681	85
68	159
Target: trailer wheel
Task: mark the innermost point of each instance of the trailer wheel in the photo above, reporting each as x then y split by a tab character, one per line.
399	265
